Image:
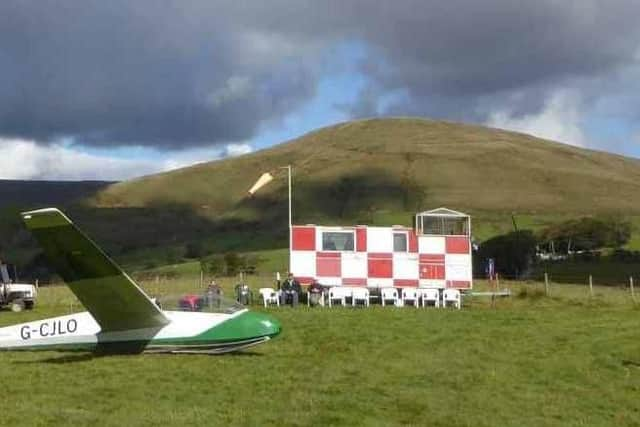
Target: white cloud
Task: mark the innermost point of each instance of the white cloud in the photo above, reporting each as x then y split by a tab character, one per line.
560	120
233	150
22	159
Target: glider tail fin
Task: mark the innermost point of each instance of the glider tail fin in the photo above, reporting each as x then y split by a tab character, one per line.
108	293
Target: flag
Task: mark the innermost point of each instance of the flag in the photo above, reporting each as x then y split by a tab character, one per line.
264	179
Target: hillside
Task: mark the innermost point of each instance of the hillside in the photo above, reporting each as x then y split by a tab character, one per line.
378	171
34	194
400	165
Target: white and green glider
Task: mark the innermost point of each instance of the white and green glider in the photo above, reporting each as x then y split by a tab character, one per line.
121	318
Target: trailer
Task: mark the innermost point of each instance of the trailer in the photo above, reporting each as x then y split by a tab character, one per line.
435	253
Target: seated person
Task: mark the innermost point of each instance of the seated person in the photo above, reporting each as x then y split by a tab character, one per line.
315	293
290	291
244	295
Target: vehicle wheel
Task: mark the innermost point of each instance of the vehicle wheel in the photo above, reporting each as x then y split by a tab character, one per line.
17	306
29	305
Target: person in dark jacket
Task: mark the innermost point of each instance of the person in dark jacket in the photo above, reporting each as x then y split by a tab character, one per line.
290	291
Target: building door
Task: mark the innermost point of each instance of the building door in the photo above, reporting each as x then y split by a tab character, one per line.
405	262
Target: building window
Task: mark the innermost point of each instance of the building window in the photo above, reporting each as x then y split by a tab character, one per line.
337	241
399	242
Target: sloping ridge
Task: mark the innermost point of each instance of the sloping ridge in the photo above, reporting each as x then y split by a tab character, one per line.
403	165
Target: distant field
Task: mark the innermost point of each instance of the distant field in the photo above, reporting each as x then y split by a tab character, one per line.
532	360
602	272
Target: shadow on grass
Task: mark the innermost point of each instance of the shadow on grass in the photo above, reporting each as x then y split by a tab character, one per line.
66	358
85	357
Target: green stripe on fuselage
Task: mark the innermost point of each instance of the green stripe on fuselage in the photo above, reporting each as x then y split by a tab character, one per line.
246	326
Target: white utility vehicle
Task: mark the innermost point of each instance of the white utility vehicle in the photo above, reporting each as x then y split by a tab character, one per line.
17	296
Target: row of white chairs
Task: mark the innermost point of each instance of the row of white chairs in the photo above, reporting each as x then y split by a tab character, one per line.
408	296
417	296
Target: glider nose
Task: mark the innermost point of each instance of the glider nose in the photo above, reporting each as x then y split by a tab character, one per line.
248	325
269	326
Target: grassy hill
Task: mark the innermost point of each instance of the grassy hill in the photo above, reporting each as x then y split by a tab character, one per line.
378	171
400	165
382	171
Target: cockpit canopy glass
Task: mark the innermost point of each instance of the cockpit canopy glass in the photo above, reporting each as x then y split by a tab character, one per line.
201	302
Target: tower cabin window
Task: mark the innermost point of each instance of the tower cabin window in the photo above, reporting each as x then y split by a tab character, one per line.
338	241
400	242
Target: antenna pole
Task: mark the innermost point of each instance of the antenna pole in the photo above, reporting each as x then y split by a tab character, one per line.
290	179
290	214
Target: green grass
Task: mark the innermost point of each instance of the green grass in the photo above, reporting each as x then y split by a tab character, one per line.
604	272
564	360
634	243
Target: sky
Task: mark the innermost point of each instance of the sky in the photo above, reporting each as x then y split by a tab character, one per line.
116	89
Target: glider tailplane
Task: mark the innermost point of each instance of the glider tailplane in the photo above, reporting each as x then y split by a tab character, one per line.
110	295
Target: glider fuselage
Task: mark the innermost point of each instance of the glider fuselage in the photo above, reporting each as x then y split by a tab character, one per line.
186	332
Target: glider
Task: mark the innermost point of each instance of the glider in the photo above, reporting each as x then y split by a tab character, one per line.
120	317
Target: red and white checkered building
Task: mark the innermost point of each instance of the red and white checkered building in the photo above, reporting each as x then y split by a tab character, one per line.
436	253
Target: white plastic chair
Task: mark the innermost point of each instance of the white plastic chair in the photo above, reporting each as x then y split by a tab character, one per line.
321	302
389	294
269	296
360	294
429	296
410	295
451	296
339	293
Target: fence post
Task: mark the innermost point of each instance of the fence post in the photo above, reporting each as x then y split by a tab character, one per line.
590	285
546	284
633	295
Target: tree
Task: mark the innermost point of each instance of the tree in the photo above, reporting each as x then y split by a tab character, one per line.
214	266
513	253
233	263
587	234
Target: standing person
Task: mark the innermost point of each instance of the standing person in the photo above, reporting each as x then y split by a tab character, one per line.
290	290
214	292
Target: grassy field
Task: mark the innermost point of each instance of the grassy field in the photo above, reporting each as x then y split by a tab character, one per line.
566	359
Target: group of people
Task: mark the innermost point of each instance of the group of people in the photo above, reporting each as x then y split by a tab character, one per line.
290	292
243	293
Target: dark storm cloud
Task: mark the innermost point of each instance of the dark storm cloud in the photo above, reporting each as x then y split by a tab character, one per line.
460	58
154	73
187	73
